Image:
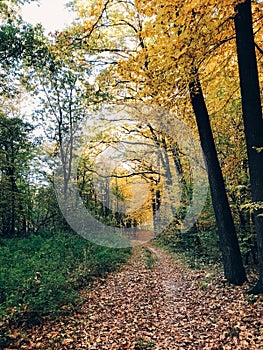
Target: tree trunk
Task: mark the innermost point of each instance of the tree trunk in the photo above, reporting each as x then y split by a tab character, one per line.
13	204
252	116
232	261
156	203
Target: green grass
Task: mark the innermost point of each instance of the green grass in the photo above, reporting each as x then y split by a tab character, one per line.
142	344
41	274
149	259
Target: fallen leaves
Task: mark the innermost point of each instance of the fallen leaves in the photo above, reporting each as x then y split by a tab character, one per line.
166	307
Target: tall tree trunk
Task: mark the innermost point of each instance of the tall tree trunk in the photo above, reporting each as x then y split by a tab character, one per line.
13	204
11	176
156	203
232	261
252	116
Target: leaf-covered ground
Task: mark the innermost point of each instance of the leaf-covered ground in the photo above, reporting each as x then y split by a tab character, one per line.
166	306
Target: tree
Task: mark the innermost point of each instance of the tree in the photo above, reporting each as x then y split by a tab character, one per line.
60	86
19	42
232	260
15	154
252	115
177	39
118	177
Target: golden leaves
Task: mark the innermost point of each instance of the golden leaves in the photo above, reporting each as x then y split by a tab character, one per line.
178	35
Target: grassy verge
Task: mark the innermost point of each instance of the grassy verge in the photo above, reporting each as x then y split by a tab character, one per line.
41	275
194	255
190	258
196	260
149	259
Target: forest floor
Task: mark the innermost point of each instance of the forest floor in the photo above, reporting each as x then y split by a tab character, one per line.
154	302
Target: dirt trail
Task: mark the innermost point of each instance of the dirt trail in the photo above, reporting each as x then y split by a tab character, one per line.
165	307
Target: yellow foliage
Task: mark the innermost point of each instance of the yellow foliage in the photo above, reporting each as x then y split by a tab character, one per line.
172	37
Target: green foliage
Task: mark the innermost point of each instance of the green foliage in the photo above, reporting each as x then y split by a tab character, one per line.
143	344
40	274
203	244
16	152
149	259
106	260
198	245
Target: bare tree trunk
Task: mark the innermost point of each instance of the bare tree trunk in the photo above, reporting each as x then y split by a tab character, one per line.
232	261
252	116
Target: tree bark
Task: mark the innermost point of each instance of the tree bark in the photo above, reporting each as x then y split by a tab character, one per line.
231	256
252	116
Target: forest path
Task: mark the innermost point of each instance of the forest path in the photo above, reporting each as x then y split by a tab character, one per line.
166	306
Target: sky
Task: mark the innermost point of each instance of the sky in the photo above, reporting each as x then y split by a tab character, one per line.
52	14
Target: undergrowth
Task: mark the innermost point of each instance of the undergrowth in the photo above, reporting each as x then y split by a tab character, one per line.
42	274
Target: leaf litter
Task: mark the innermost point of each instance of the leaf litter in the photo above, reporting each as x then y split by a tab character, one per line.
166	306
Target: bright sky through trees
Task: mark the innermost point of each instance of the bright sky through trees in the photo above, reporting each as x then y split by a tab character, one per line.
52	14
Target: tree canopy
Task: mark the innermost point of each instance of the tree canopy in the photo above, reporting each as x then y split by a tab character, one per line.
175	56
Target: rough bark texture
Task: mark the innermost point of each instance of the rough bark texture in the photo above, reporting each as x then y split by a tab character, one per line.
232	261
252	115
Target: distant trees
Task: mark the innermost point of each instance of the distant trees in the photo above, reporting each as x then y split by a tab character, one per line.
60	90
21	44
124	195
15	155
